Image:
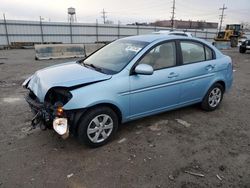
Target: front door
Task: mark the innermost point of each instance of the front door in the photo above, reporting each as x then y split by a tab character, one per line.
160	91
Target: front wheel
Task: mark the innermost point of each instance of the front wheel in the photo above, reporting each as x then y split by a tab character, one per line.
213	97
97	126
242	50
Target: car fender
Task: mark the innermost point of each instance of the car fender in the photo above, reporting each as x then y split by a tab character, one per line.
213	81
105	92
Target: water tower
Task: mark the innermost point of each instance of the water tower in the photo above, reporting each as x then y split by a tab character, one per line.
71	15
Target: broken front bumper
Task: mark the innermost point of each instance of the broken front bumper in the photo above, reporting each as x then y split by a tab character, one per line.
45	116
42	114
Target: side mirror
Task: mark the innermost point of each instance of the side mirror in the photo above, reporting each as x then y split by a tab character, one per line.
144	69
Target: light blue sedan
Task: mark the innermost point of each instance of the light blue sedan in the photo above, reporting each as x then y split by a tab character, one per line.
127	79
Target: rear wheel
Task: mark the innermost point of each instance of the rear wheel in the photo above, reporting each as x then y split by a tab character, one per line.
97	126
213	97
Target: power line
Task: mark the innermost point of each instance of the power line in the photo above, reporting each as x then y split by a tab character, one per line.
222	15
173	13
104	15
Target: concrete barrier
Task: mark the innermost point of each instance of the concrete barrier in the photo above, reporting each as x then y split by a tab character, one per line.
90	48
55	51
222	45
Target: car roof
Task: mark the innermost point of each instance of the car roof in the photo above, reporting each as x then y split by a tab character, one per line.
153	37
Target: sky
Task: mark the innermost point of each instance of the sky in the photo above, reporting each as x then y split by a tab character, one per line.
126	11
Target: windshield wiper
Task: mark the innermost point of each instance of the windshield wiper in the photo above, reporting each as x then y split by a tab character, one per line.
81	60
92	66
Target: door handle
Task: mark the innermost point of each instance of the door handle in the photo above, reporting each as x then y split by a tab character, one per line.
173	75
210	67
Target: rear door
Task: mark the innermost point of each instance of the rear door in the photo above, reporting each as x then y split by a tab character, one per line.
197	69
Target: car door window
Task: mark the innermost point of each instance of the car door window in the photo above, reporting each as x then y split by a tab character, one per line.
192	52
161	56
209	53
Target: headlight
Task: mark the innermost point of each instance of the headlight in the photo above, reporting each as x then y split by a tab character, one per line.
60	125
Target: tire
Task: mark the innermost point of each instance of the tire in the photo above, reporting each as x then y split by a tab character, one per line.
92	129
234	41
213	98
242	50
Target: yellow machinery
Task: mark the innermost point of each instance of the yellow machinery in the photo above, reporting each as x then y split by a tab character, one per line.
232	33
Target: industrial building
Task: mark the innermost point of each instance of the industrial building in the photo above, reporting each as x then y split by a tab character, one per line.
181	24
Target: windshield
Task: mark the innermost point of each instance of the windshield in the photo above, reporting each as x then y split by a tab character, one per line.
114	57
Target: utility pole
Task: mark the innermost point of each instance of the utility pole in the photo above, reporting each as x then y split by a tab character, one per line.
222	16
104	15
173	13
97	32
41	28
6	30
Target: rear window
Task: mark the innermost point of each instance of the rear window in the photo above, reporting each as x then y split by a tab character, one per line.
209	53
192	52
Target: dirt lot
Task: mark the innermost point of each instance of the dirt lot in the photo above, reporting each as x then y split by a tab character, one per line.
151	152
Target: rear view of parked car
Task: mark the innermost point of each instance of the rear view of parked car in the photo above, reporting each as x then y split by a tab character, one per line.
131	78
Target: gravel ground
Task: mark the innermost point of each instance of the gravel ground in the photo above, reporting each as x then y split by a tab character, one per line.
157	151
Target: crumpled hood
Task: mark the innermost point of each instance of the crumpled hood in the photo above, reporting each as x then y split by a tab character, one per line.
62	75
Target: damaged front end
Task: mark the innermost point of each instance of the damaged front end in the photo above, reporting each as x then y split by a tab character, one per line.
50	113
50	90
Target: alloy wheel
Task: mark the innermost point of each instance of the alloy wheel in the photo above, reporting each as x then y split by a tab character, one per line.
214	97
100	128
